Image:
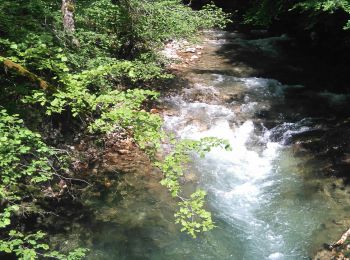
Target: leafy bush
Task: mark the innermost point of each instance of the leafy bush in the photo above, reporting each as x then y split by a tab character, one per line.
158	21
192	216
30	247
23	154
123	110
327	6
25	162
264	12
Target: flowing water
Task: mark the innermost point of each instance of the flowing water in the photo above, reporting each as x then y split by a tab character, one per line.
264	206
267	202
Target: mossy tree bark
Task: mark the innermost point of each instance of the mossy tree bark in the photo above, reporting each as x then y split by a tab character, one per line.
10	65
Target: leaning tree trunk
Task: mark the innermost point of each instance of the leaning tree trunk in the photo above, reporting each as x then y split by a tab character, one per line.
68	16
19	69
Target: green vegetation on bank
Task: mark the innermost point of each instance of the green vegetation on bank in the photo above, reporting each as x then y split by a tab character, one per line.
96	63
27	165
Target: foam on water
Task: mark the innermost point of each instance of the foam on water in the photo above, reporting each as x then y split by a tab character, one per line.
276	256
266	88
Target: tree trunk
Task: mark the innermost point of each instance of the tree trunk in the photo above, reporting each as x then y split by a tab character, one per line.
68	16
10	65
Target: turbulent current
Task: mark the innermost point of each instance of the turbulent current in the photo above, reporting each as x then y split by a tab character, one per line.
255	191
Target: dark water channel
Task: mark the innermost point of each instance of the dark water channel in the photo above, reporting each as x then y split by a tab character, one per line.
270	197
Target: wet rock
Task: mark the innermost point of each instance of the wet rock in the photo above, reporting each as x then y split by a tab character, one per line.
299	149
201	93
194	57
123	151
190	50
324	255
191	177
345	159
154	111
94	171
307	135
262	114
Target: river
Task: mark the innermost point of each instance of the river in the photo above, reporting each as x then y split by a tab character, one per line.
268	197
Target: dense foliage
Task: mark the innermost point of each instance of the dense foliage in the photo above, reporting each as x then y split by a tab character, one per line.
264	12
97	62
26	164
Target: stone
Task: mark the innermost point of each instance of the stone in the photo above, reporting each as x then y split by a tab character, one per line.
194	57
191	50
154	111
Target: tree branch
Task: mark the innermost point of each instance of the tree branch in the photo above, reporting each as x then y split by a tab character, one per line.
10	65
342	240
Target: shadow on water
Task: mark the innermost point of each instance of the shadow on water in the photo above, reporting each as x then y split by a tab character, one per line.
323	82
288	61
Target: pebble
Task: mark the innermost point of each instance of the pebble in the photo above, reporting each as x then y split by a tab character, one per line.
194	57
192	50
123	151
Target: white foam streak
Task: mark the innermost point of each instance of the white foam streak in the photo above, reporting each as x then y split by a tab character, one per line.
237	175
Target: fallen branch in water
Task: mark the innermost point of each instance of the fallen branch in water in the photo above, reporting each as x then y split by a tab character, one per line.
342	240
